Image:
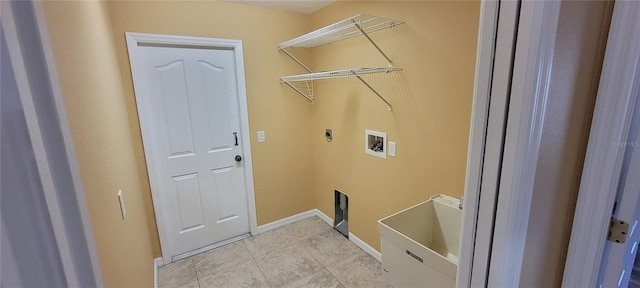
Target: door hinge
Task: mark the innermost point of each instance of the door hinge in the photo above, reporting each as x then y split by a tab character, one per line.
618	231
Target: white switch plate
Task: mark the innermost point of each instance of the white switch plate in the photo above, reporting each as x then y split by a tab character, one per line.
392	149
261	137
122	208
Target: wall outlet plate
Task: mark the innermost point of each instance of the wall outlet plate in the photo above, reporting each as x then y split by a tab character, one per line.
392	149
261	137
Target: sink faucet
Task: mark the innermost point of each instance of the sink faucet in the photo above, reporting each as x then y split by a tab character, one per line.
460	205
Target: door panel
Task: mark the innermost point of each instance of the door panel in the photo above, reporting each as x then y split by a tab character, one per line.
223	182
192	99
218	107
176	108
190	211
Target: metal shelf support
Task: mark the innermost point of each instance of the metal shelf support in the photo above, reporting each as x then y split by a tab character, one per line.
373	43
296	59
376	92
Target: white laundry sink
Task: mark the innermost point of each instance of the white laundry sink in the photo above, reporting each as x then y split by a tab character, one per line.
420	244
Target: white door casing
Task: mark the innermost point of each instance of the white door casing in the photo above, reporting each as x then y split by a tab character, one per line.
499	183
611	123
191	100
29	48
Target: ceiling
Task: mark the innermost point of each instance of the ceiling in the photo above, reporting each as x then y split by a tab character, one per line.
300	6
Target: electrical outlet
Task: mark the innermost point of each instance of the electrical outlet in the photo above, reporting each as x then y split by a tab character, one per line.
261	138
392	149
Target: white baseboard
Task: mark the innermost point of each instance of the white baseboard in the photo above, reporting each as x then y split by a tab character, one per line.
316	212
364	246
324	217
286	221
156	263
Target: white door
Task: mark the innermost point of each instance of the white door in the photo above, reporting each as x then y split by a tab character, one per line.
195	141
618	258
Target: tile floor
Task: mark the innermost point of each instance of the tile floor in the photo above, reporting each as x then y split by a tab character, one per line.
308	253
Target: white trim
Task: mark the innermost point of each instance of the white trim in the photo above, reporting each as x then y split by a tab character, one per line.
246	136
68	141
285	221
365	247
47	147
534	51
316	212
133	39
353	238
156	264
477	137
500	77
367	146
38	145
603	161
324	217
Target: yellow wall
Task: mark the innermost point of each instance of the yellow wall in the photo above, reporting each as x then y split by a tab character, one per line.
296	169
577	61
282	165
86	60
431	101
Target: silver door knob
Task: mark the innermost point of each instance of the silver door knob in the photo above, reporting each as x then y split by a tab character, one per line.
238	158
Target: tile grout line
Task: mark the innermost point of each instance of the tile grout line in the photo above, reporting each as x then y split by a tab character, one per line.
334	276
187	281
194	269
263	275
256	261
288	230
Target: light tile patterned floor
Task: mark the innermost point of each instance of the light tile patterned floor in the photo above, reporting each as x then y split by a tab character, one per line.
308	253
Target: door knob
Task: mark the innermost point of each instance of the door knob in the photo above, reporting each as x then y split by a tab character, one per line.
238	158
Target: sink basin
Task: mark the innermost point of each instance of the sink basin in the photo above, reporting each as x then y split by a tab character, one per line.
420	244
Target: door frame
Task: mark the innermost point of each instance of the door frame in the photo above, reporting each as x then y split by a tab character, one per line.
505	140
64	196
144	115
603	161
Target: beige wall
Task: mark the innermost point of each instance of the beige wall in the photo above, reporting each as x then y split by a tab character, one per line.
431	101
577	63
282	165
296	169
86	60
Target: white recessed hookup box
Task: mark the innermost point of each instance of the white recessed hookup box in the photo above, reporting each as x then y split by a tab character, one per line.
375	143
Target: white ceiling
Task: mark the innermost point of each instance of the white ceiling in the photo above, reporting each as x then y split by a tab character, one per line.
300	6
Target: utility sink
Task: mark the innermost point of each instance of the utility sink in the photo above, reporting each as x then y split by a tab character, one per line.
420	244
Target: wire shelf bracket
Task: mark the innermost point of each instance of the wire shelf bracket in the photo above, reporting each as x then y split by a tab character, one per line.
358	25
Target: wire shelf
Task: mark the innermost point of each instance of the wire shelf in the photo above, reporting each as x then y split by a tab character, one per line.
359	25
336	74
341	30
303	84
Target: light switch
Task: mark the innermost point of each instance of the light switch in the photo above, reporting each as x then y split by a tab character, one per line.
392	149
261	138
122	208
